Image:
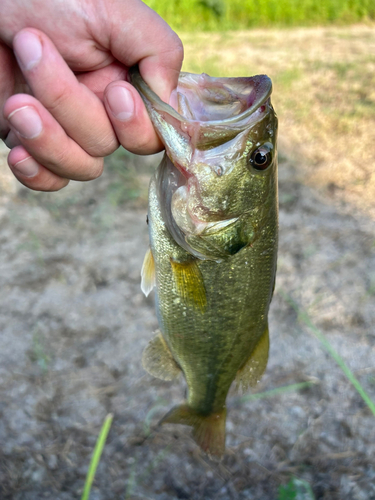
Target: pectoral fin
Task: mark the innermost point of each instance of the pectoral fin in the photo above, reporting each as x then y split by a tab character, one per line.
252	370
189	283
148	273
158	361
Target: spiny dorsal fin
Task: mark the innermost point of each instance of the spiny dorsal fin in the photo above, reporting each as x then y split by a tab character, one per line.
158	361
148	273
189	283
251	372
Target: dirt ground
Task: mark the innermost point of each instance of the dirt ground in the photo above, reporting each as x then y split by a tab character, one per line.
73	324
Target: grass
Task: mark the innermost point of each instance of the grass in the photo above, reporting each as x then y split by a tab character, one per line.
97	453
198	15
276	392
147	422
324	81
296	489
39	353
125	184
304	317
98	450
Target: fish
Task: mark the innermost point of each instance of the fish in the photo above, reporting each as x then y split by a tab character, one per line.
213	227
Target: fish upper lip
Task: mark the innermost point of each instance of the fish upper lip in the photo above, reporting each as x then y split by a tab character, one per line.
262	90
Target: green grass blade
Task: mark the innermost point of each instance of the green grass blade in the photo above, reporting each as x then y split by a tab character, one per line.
275	392
131	483
147	422
303	316
296	489
100	442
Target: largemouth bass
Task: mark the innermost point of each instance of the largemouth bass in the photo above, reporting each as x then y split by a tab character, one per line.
213	218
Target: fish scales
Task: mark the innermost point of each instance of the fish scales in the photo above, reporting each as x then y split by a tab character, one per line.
211	347
213	215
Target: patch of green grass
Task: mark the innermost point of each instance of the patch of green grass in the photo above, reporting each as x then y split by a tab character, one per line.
97	453
287	77
212	66
296	489
125	185
275	392
194	15
39	353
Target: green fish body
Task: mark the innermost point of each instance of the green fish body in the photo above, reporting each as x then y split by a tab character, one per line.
213	217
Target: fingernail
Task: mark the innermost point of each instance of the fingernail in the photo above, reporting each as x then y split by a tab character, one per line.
28	49
27	122
27	167
121	103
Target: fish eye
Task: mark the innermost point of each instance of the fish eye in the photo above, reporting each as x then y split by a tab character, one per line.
261	158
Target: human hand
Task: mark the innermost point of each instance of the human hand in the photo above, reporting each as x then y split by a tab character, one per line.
73	58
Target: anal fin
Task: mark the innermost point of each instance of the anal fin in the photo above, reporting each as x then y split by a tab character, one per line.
148	273
250	373
189	283
158	361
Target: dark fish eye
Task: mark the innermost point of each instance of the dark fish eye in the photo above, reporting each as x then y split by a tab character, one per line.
261	158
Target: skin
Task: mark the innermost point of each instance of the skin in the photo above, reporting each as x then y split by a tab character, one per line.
60	60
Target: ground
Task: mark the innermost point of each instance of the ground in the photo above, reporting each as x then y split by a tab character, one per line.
74	322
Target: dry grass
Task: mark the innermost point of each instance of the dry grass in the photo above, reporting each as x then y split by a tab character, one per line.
324	94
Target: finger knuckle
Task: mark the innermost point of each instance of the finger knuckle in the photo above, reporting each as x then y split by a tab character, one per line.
103	146
57	100
54	184
48	184
177	48
143	146
95	170
173	50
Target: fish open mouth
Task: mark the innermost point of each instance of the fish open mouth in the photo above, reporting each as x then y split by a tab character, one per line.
209	111
228	100
205	131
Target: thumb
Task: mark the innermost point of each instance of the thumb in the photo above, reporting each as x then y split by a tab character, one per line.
140	36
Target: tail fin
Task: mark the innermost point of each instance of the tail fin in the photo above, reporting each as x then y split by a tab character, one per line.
208	430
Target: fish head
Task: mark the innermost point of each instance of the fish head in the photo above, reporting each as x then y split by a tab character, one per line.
220	139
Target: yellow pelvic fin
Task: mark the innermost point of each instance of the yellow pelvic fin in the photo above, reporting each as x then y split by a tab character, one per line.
148	273
189	283
158	361
251	372
208	430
